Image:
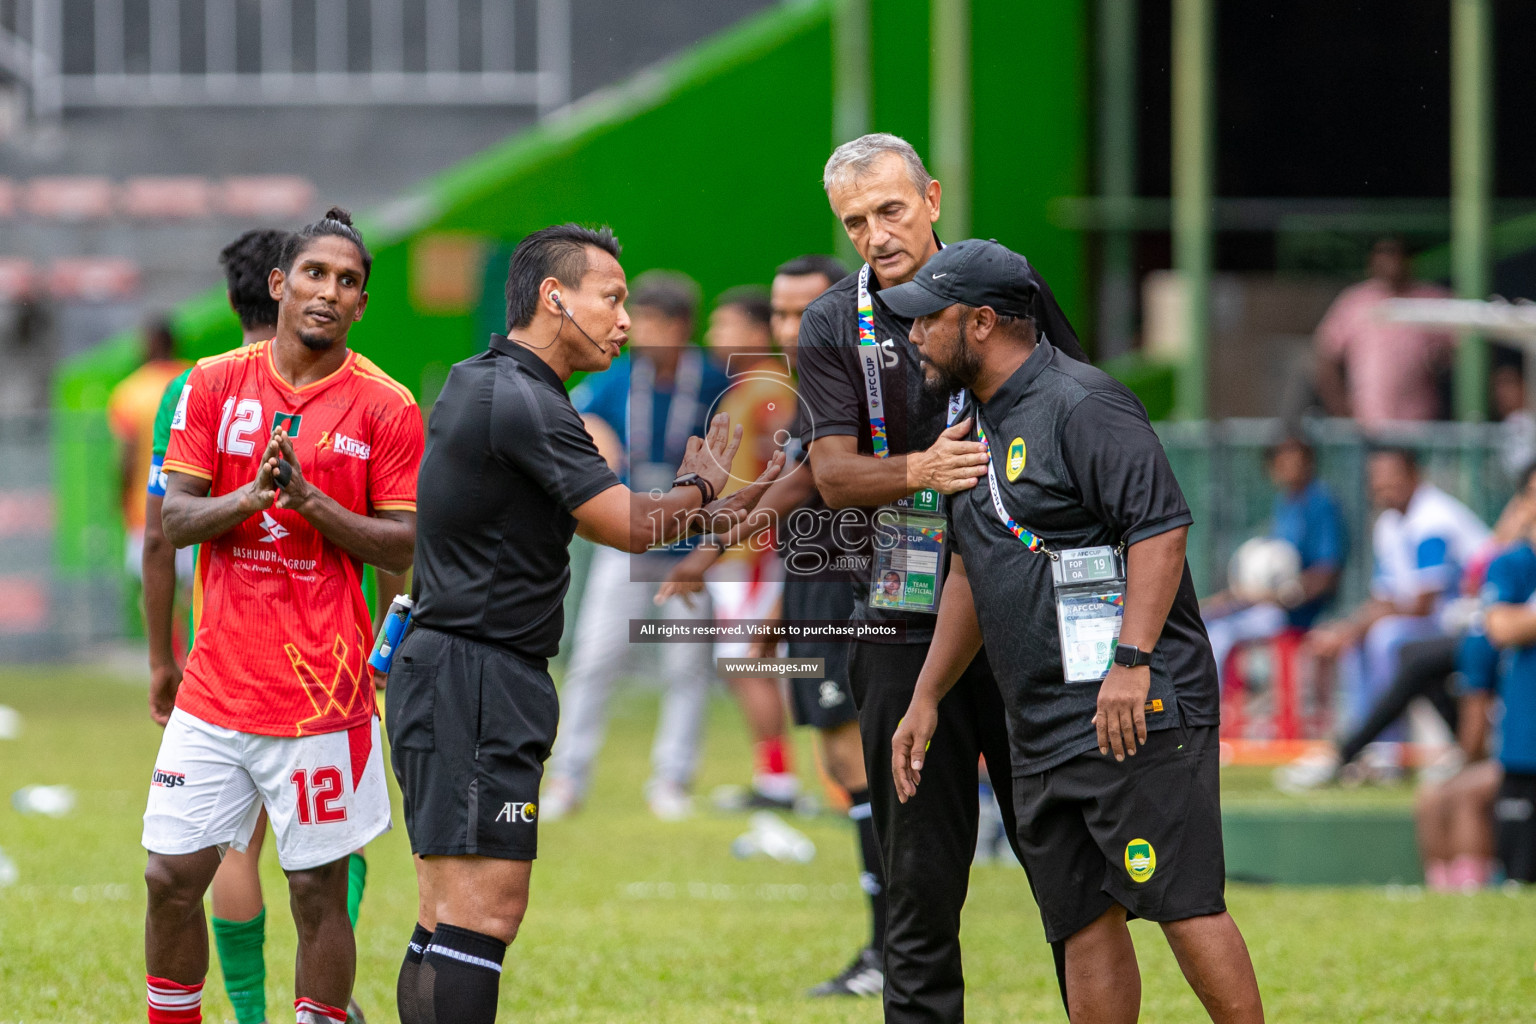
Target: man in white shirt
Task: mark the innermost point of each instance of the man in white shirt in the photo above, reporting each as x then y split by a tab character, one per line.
1422	541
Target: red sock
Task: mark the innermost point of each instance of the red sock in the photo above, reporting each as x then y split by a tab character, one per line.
171	1002
772	756
311	1011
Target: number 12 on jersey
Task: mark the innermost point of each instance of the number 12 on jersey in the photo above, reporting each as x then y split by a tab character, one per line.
317	792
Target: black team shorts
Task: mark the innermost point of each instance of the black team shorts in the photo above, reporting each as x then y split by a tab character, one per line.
1144	833
470	727
1514	814
824	703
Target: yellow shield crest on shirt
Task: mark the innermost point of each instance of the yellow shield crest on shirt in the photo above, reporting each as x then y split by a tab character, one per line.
1015	458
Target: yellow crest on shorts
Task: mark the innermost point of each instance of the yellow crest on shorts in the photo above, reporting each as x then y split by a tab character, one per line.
1140	860
1015	458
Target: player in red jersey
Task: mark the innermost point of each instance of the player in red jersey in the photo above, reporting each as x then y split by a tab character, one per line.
276	705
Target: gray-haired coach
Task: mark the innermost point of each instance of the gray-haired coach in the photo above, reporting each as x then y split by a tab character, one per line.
1069	562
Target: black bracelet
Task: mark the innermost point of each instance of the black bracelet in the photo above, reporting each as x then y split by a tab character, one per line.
706	491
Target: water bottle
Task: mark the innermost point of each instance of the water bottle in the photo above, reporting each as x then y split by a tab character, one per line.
390	632
780	840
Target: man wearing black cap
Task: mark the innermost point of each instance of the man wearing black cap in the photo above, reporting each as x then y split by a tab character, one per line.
883	451
1069	563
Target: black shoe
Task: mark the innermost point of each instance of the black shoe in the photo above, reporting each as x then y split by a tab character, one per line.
735	799
864	977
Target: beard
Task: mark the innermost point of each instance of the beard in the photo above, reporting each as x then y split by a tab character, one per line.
960	372
315	341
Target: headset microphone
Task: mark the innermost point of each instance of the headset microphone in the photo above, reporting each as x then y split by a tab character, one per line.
595	344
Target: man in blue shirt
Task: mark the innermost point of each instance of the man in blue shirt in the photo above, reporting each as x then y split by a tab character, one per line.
641	412
1306	516
1510	623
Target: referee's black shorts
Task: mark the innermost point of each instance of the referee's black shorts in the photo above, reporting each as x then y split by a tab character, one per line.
824	703
470	727
1144	833
1514	814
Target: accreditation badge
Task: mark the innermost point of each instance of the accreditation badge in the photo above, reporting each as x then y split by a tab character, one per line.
1090	605
909	556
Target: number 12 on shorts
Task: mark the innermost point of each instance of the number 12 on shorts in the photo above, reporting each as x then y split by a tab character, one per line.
317	792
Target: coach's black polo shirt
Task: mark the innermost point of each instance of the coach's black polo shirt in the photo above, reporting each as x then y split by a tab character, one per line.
833	402
506	462
1093	472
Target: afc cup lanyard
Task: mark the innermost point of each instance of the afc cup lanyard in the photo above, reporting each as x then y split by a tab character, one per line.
869	358
680	415
1028	539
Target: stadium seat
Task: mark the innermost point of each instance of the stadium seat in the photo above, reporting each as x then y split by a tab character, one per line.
278	196
93	278
73	198
178	197
1289	718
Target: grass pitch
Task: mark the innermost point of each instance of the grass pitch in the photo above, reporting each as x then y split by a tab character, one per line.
636	921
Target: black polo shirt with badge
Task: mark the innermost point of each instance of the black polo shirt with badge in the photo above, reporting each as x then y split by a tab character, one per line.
833	402
1093	473
507	460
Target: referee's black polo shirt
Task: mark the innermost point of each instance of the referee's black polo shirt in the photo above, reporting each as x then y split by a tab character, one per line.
1089	471
507	460
833	403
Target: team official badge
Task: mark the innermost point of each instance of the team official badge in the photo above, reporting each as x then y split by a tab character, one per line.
1015	459
288	420
1140	860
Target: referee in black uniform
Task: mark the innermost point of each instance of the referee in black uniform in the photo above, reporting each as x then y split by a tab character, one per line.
1072	543
887	203
509	475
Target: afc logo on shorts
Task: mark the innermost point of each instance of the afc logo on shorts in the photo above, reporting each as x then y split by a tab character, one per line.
518	812
167	780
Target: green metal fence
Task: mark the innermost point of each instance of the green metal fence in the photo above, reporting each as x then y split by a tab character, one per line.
1220	466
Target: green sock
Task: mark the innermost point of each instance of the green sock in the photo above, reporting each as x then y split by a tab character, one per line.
245	969
357	881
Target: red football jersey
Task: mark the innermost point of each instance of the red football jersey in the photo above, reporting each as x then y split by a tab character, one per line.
284	633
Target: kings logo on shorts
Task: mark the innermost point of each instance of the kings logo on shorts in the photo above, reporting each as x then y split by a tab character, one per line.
167	780
1140	860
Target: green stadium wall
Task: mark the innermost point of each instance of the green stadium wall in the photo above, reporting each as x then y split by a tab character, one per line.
709	164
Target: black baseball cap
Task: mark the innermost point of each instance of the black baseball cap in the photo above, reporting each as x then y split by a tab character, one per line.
976	272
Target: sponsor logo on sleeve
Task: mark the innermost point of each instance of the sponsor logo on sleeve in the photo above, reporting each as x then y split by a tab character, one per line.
179	418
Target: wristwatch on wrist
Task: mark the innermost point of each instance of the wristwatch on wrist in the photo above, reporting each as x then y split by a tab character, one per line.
706	492
1131	656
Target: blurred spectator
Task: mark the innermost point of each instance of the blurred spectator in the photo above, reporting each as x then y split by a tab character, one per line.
131	412
1422	541
1487	814
1436	669
745	585
1517	445
1377	371
1307	517
641	412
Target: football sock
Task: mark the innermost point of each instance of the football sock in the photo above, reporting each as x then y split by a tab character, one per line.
357	880
245	967
464	973
408	987
771	756
171	1002
872	878
311	1011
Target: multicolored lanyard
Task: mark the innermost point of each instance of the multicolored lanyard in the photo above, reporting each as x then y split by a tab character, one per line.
1028	539
869	358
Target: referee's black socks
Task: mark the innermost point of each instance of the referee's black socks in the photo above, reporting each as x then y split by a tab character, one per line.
459	977
872	878
407	988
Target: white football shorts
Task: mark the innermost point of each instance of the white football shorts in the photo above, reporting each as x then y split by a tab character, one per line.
743	600
325	795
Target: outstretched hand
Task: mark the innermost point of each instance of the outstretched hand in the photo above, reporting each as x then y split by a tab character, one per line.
725	513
